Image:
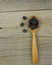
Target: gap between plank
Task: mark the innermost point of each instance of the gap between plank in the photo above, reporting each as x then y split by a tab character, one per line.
26	10
22	37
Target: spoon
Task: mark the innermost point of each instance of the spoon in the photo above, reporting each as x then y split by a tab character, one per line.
33	26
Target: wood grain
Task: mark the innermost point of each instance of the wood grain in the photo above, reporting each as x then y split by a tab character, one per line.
10	23
16	46
13	19
16	51
18	5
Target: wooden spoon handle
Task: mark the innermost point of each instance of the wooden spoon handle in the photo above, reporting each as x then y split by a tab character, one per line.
34	49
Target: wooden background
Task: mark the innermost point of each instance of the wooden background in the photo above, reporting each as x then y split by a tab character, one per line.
15	46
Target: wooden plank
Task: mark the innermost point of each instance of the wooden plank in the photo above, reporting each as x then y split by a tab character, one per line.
17	5
13	19
16	51
10	23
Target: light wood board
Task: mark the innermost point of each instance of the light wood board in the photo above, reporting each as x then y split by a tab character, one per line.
17	51
18	5
15	45
10	23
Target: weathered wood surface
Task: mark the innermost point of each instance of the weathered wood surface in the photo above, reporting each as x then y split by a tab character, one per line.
14	51
15	46
18	5
10	23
